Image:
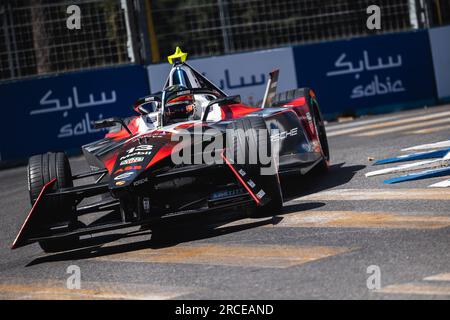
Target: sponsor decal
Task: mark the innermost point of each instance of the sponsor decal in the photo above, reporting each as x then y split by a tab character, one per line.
120	183
150	99
128	169
132	160
284	134
260	194
142	147
135	154
139	182
125	176
141	150
227	193
184	93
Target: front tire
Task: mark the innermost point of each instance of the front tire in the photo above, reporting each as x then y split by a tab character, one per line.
247	139
42	169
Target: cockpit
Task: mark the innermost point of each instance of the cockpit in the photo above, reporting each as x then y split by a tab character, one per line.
186	95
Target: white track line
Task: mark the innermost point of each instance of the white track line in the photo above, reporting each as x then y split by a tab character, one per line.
430	130
436	145
438	277
403	128
376	194
391	124
416	288
420	165
442	184
380	118
356	123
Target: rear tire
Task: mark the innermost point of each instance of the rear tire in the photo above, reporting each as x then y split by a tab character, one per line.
41	170
319	126
246	136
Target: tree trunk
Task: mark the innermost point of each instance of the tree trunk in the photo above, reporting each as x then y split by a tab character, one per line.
41	39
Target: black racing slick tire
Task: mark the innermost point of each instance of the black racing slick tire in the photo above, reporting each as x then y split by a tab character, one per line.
42	169
319	126
247	138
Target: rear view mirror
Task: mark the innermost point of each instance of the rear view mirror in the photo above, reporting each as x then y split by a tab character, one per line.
105	123
110	122
147	105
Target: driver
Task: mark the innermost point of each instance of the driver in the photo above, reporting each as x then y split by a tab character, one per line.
186	107
180	109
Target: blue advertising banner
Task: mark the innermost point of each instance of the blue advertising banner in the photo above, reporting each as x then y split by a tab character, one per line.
366	74
440	48
56	112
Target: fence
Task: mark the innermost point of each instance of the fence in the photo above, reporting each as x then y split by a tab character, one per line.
213	27
34	38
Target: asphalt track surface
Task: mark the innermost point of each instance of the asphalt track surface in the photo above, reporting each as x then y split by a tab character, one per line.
333	227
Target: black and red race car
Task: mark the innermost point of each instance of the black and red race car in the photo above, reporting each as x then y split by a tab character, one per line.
170	160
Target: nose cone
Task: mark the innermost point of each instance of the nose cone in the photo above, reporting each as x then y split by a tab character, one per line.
135	158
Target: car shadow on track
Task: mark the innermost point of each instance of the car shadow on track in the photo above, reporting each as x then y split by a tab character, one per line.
338	174
168	237
217	225
165	237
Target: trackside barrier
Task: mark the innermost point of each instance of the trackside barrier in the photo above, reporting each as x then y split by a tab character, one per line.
56	112
369	75
362	75
440	49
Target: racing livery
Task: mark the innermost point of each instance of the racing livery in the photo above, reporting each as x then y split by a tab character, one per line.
161	164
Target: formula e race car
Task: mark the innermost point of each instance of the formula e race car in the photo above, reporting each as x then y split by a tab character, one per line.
190	150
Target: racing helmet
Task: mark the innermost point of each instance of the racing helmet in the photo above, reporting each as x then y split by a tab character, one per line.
180	108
